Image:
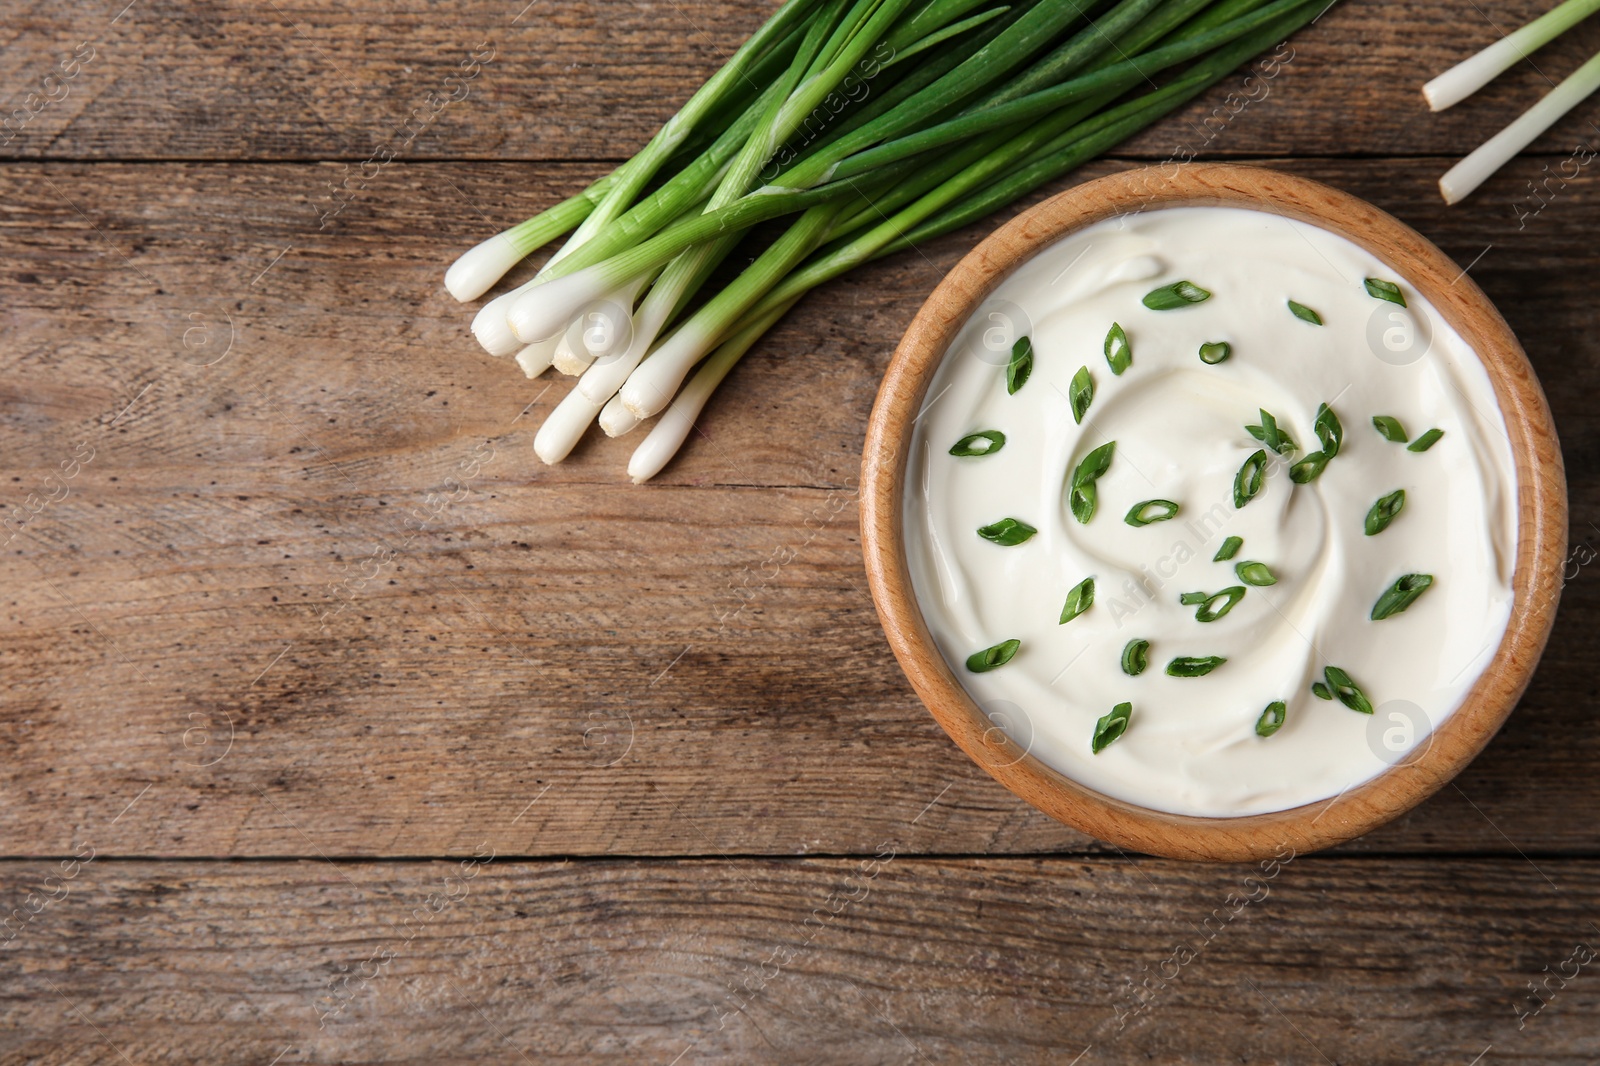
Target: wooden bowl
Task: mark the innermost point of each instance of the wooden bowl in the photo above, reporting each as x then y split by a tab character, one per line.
1541	514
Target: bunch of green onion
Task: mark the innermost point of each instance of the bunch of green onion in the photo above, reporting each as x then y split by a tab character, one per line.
866	126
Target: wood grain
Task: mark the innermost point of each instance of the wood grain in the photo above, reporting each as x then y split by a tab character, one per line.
887	959
190	585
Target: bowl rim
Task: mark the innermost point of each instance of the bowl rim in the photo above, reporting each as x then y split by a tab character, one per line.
1541	513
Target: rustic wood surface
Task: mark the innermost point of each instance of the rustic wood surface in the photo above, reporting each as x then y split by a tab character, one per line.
266	646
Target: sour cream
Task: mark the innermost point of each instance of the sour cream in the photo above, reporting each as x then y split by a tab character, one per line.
1191	744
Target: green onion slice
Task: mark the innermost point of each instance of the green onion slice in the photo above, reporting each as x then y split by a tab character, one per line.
1178	294
1426	441
1080	394
1269	434
1214	352
1229	596
1007	532
1190	599
1142	514
1272	718
993	440
1111	726
1021	365
1229	549
1400	595
1385	290
1348	691
1083	495
1247	482
1329	430
1309	468
1320	691
1194	666
1083	498
1383	512
1080	599
1135	657
1304	313
1119	353
1255	574
1390	427
981	662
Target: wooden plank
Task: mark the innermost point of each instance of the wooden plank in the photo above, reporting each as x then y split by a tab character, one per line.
213	611
591	79
888	959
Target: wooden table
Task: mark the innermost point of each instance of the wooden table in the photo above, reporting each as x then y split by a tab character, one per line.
337	728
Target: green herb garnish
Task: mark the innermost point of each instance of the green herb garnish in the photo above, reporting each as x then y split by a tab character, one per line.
969	445
1320	691
1348	691
1178	294
1111	726
1385	290
1309	468
1021	365
1329	430
1269	434
1083	499
1304	313
1390	427
1119	353
1272	718
1426	441
1080	599
1142	514
1214	352
1400	595
1383	512
1192	666
1007	532
1229	549
1247	482
1255	574
1135	657
1190	599
1080	393
1209	613
981	662
1083	495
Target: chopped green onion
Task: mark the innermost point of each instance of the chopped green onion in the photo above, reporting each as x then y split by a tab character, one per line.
1269	434
1080	394
1020	366
1385	290
1083	498
1008	532
1214	352
1329	430
1247	482
1230	596
1119	353
1229	549
1178	294
1400	595
1304	313
1083	493
969	445
1272	718
1426	441
1384	511
1309	468
1390	427
1135	657
1348	691
1194	666
981	662
1142	514
1189	599
1080	599
1320	691
1255	574
1111	726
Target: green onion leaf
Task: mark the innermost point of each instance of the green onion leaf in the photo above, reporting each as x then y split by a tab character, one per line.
1083	499
969	445
1142	514
1348	691
1007	532
1320	691
1255	574
1229	549
1247	482
1272	718
1390	427
1111	726
1426	441
981	662
1329	430
1269	434
1192	666
1230	596
1119	353
1080	393
1135	657
1383	512
1400	595
1309	468
1190	599
1094	464
1214	352
1385	290
1178	294
1080	599
1304	313
1021	365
